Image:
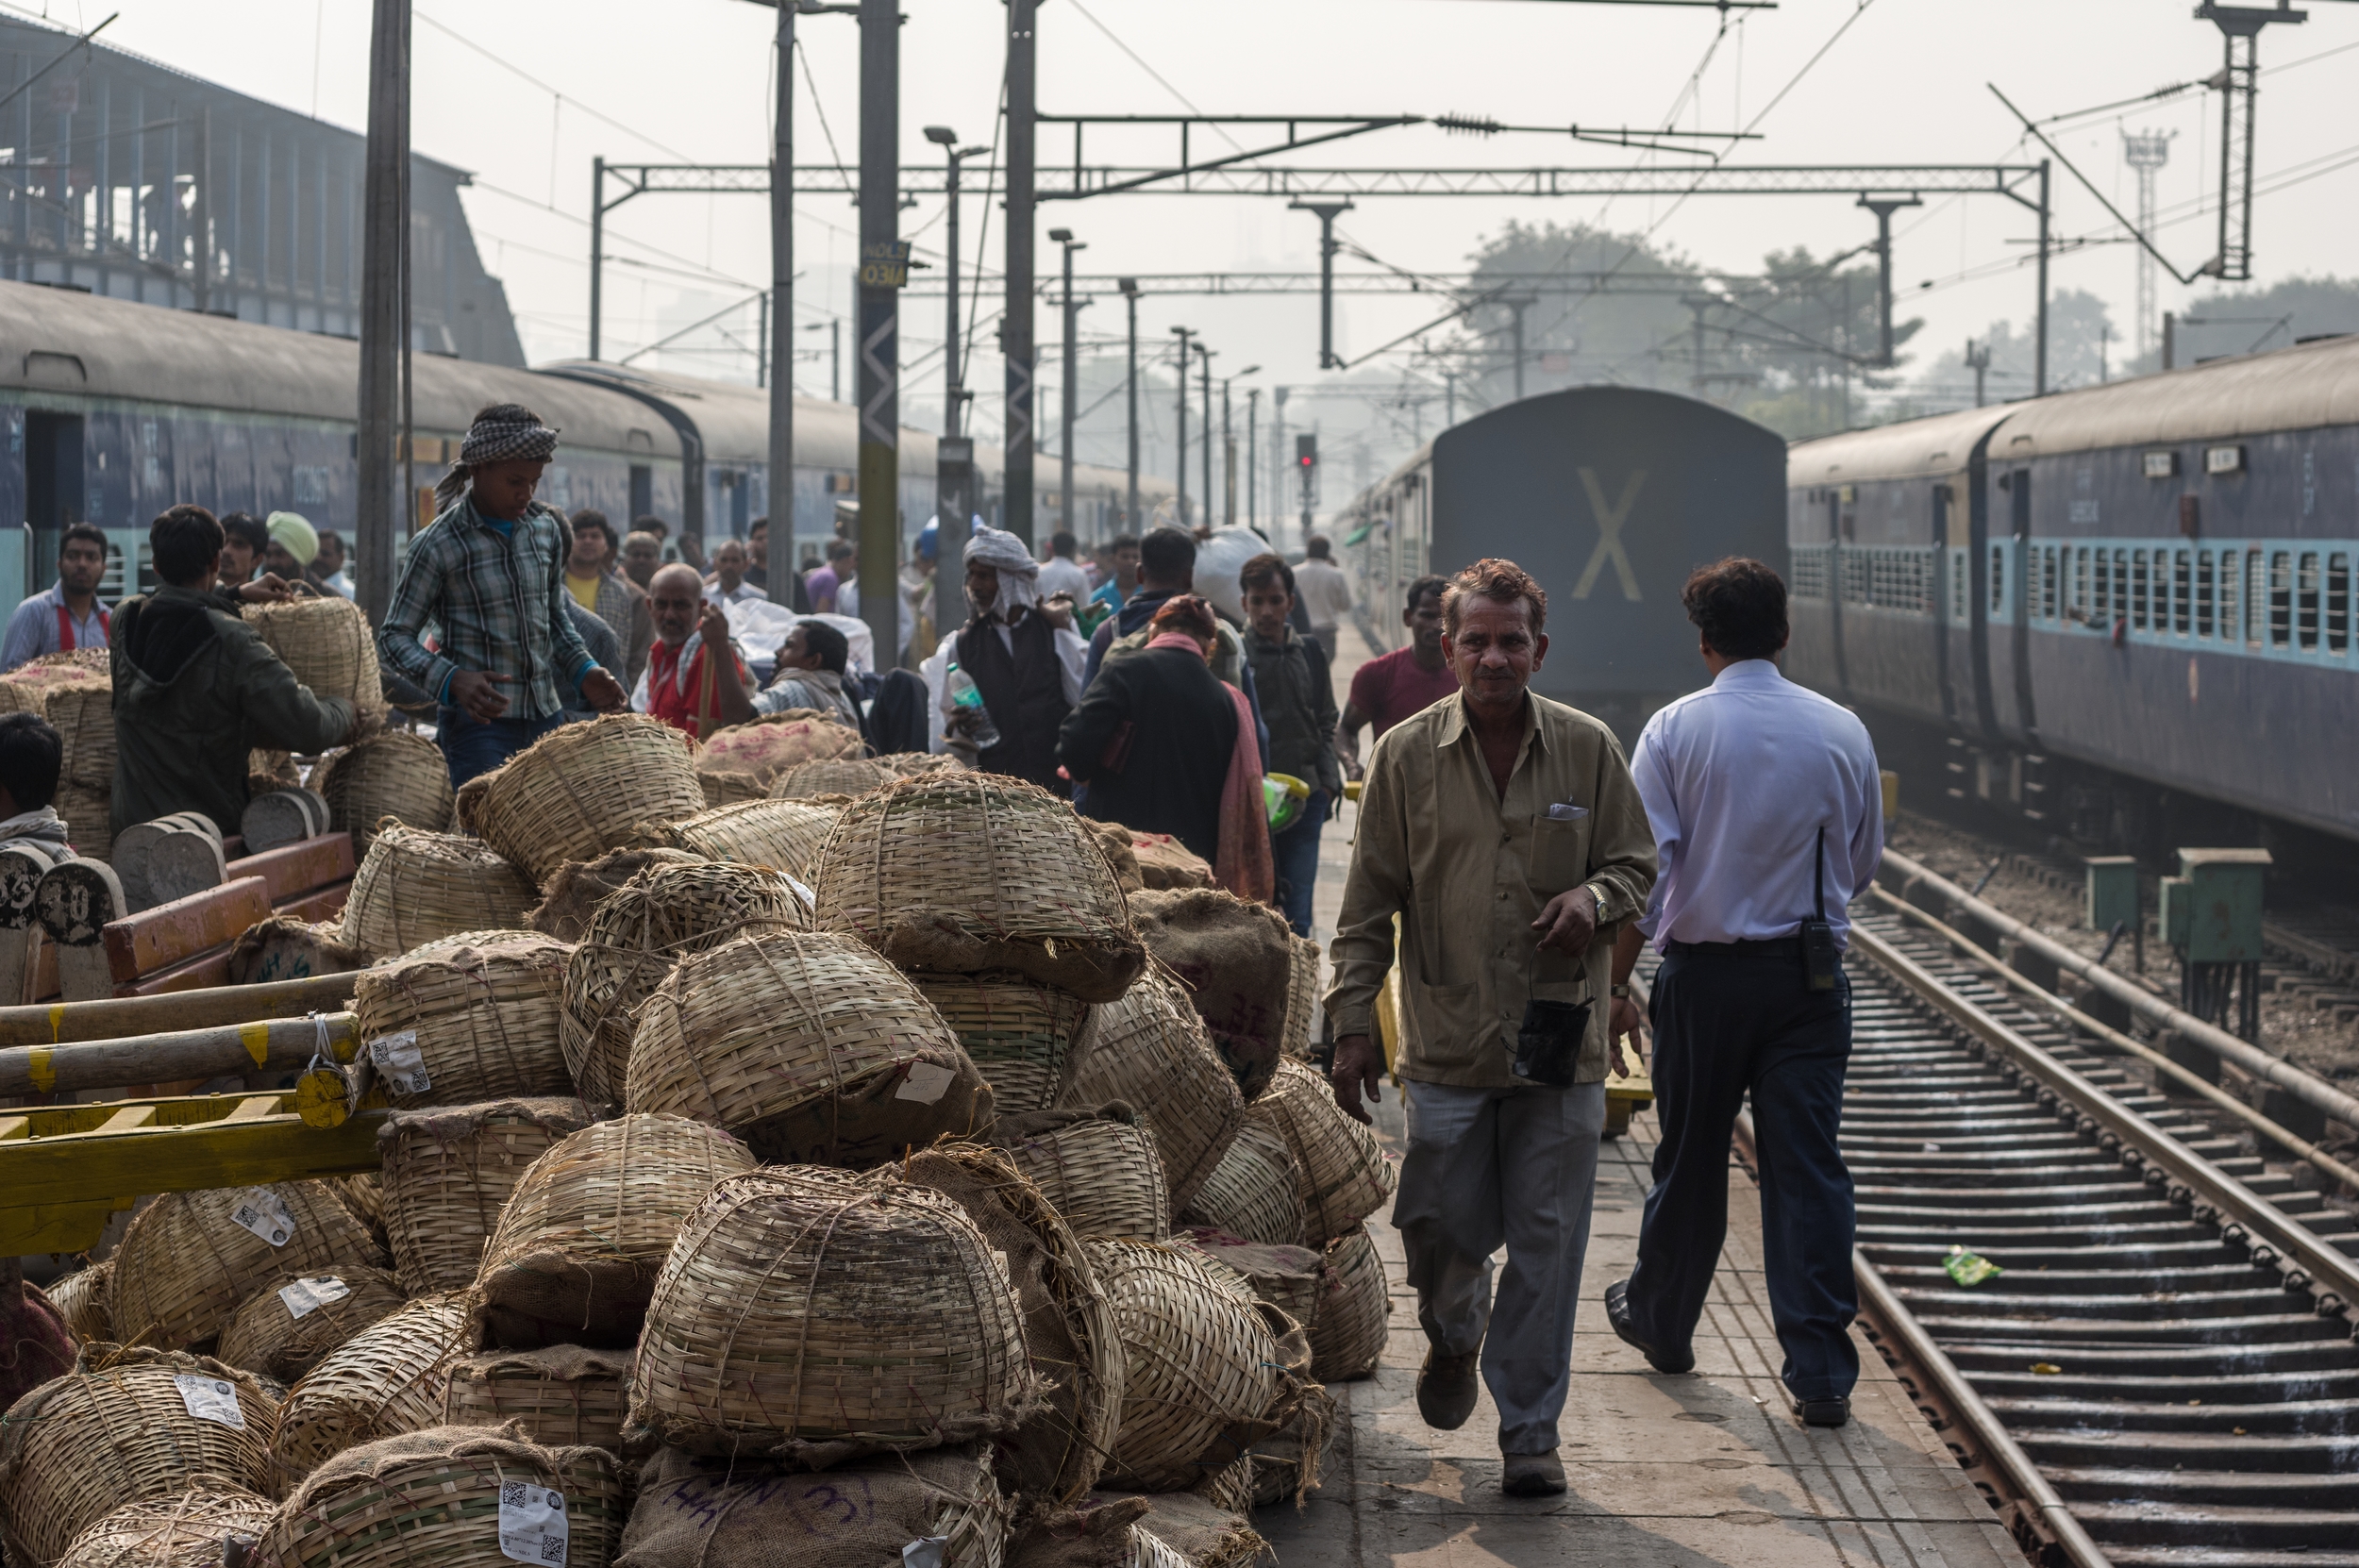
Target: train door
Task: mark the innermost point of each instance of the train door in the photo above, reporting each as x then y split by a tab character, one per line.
642	490
1835	571
1945	601
2020	594
54	493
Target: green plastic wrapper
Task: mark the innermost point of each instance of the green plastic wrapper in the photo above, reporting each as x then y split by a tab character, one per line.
1970	1268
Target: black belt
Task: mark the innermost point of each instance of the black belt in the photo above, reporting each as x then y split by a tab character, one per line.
1770	947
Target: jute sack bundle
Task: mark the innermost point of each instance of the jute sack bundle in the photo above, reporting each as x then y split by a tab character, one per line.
284	947
562	1395
1114	839
1255	1193
968	871
580	790
388	1378
123	1426
909	764
808	1046
1095	1534
768	746
809	1313
290	1323
1149	1051
327	643
1203	1372
1194	1532
472	1017
1021	1035
634	938
585	1232
1355	1311
1236	961
1290	1278
1164	861
1286	1463
451	1497
81	1298
448	1172
728	1513
1099	1168
395	774
728	788
188	1260
416	887
1302	997
829	776
581	886
189	1530
1053	1458
1345	1176
783	835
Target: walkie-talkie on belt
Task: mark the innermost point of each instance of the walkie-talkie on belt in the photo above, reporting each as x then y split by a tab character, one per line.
1820	959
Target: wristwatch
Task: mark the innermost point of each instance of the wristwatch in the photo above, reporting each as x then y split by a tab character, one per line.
1621	991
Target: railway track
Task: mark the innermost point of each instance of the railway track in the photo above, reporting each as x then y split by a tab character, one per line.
2164	1371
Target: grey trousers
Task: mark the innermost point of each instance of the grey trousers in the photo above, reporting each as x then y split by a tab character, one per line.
1487	1166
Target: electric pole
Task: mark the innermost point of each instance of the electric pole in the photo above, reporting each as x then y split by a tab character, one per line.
1327	213
782	301
1205	358
1183	334
1227	457
954	454
884	267
1068	399
1516	305
1278	453
1015	323
1884	208
384	302
1252	471
1129	287
1978	360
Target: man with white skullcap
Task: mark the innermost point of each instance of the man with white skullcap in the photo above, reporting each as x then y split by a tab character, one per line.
490	570
1024	656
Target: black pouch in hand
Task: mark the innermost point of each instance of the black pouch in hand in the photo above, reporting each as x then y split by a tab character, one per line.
1547	1047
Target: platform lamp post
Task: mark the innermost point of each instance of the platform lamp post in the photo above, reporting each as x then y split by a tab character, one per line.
954	465
1252	471
1228	449
1068	396
1129	287
1183	334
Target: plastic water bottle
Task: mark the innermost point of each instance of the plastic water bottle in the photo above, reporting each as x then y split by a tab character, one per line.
965	694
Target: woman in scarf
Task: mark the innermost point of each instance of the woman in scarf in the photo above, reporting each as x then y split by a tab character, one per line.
1166	747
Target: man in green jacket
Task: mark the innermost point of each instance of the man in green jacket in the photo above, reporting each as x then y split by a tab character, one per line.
195	688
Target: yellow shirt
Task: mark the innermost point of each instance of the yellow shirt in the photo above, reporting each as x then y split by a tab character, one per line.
584	590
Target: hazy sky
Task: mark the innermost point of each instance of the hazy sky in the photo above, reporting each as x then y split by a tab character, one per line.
692	79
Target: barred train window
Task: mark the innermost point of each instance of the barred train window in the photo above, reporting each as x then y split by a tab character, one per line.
2138	597
1959	588
2306	609
2231	593
2281	600
2337	603
2203	592
2047	583
2121	585
2102	610
2081	583
2256	589
2178	597
1998	579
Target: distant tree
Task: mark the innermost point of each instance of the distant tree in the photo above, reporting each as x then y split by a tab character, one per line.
2247	321
1605	308
2083	348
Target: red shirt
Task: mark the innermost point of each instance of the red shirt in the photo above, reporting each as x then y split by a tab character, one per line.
1392	687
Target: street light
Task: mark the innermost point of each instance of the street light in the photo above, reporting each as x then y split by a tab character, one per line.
1069	404
954	455
1129	287
1183	334
1229	448
1205	363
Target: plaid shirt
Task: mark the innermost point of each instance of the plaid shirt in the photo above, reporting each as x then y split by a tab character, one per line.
499	603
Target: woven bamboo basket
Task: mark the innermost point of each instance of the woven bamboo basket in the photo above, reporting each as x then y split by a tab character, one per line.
80	1447
286	1328
562	1396
1202	1370
1019	1033
483	1007
81	1298
634	938
448	1173
395	774
1230	1487
416	887
961	872
1100	1168
1193	1531
805	1306
1255	1193
387	1378
830	776
580	790
699	1512
1345	1176
768	746
807	1045
434	1499
1149	1050
1355	1311
76	694
88	815
581	886
364	1194
186	1531
783	835
578	1248
327	643
909	764
1302	999
186	1264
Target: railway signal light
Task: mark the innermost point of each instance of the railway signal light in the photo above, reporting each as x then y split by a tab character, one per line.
1307	452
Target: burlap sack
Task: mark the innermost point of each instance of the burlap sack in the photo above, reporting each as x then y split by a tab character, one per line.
286	948
1114	839
1204	1534
581	886
1286	1463
1164	861
725	1513
1290	1278
768	746
1236	962
1097	1534
562	1395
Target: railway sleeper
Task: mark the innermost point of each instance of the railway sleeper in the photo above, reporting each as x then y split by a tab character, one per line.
2334	1416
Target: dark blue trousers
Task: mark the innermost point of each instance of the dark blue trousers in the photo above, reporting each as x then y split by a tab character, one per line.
471	746
1731	1020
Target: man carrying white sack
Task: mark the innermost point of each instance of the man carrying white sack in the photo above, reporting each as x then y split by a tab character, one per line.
1023	655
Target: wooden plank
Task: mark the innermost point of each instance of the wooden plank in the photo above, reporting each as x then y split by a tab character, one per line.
198	974
113	1018
295	869
57	1227
255	1106
130	1116
14	1126
279	1043
320	904
79	1169
153	940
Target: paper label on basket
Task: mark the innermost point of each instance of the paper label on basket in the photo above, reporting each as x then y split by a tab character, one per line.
306	1296
264	1213
397	1059
925	1552
927	1083
532	1523
209	1399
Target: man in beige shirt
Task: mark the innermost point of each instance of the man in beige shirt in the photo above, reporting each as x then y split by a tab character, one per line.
1505	833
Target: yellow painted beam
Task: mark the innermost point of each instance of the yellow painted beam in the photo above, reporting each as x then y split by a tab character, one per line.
55	1227
72	1169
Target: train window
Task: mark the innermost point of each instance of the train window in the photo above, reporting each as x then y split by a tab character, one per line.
1961	591
2101	608
2306	602
2281	600
2203	566
2081	608
1998	579
2231	593
2137	589
2179	584
2256	587
2047	583
2337	603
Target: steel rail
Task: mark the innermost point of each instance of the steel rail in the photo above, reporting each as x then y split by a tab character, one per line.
2308	1088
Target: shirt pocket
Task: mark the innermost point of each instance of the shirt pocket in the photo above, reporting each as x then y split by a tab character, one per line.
1560	854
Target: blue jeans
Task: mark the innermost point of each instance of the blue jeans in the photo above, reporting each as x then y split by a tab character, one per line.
471	746
1295	855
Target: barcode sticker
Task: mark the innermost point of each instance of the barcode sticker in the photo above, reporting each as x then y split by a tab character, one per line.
532	1523
306	1296
398	1060
264	1213
927	1083
209	1399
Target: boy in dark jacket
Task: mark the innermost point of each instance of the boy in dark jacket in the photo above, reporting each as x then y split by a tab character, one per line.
1299	706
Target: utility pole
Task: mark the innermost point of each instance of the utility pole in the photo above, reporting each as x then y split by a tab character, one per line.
1015	323
2170	341
1697	305
2145	152
1227	457
1252	468
835	360
1449	395
2238	83
1884	208
1978	360
1204	357
781	300
1183	334
1517	305
384	291
884	267
597	252
1068	400
952	394
954	454
1327	213
1278	453
2039	375
1129	287
762	345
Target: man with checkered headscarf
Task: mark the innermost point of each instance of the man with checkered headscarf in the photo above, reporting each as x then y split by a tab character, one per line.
1024	656
490	573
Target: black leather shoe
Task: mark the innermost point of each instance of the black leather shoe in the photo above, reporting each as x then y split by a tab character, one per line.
1822	1412
1448	1387
1617	1313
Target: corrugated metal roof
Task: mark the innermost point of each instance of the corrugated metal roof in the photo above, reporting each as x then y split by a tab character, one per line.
1912	449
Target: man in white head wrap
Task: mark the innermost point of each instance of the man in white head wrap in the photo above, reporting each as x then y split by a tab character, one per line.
1023	656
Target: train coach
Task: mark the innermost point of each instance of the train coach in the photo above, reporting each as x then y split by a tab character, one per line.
1607	495
2107	611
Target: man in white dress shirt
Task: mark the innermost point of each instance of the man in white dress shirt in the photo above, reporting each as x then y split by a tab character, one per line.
1768	816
